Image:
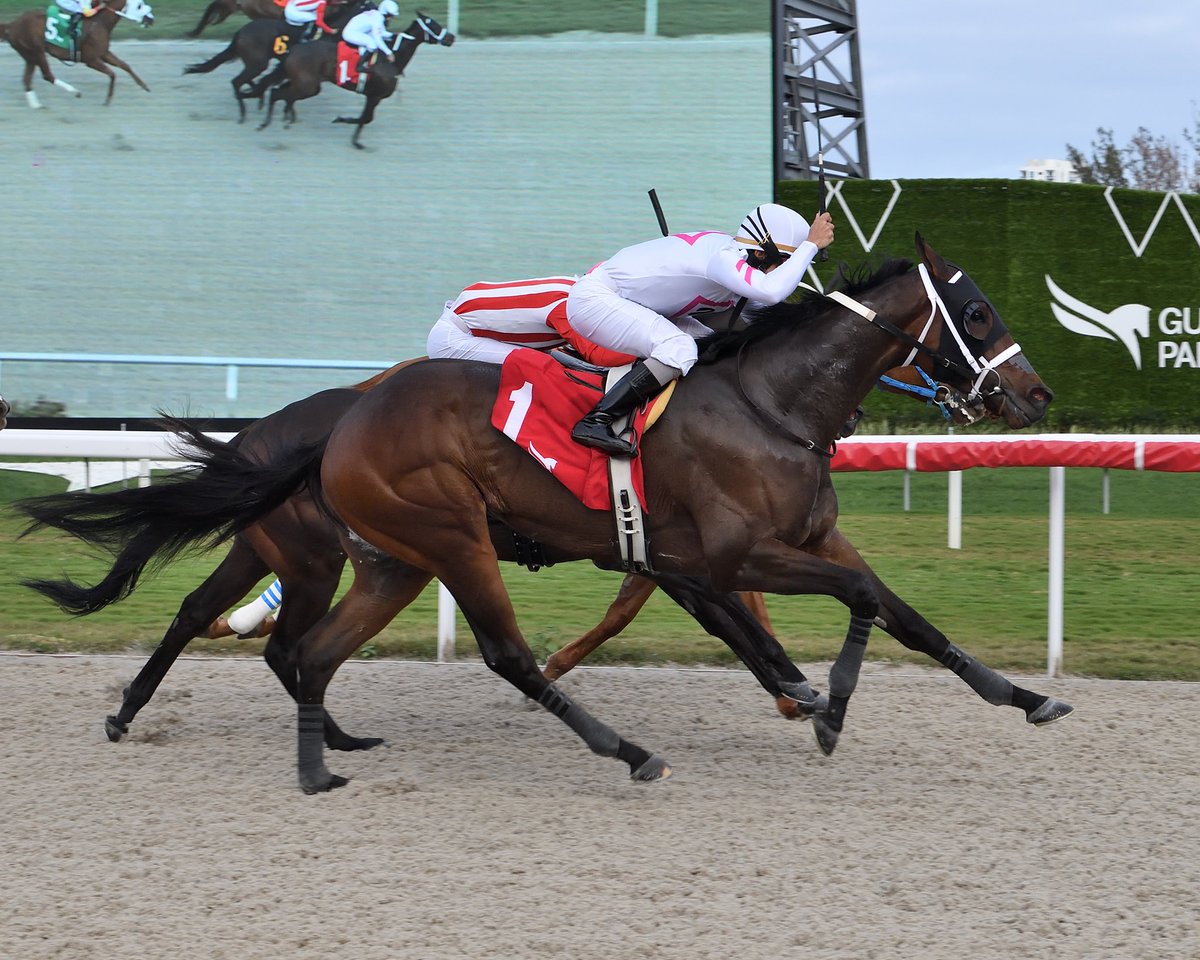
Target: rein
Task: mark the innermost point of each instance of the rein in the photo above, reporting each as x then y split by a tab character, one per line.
978	365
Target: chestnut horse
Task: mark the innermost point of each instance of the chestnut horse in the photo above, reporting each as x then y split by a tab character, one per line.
736	474
27	35
310	64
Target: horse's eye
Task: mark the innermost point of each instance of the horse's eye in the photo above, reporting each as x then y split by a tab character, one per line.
977	319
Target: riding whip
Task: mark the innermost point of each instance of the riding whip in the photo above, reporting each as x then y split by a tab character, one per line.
824	253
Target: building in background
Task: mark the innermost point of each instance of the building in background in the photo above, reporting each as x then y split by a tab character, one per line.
1052	171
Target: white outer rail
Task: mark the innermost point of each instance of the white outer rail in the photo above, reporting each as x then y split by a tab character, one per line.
146	445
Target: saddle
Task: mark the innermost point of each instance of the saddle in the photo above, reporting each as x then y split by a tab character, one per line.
62	30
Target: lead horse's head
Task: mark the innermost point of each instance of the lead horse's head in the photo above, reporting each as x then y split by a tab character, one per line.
972	349
136	10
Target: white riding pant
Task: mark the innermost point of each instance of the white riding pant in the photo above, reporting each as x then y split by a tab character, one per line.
298	17
363	39
451	339
600	314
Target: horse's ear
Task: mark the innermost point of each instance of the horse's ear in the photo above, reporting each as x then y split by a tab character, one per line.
933	260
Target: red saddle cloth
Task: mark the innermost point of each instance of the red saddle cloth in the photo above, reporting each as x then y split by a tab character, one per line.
347	65
537	406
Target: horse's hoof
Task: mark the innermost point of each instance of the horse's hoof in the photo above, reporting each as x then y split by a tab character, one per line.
801	693
323	785
115	729
655	768
827	736
1048	712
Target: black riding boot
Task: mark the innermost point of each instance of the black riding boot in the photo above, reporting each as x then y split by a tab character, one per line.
627	394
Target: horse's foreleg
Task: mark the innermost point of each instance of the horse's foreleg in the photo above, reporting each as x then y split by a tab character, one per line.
772	566
726	617
382	588
234	576
632	596
915	632
476	584
111	58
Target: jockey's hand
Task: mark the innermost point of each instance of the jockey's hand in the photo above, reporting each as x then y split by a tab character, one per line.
821	231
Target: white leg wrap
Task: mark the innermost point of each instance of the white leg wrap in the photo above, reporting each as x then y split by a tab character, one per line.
34	102
252	614
65	86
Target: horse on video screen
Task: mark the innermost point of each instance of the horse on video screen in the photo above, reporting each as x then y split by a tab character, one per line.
5	410
220	10
737	481
299	75
34	36
261	41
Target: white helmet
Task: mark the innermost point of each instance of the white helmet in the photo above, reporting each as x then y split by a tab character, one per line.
389	8
774	229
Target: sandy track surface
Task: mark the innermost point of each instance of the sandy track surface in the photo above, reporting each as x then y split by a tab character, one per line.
942	827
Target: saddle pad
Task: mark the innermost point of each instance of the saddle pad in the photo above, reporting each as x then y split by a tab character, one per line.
538	403
58	27
347	65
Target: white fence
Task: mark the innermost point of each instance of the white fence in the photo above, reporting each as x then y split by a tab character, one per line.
924	453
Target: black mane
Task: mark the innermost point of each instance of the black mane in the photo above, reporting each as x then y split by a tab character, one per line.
762	322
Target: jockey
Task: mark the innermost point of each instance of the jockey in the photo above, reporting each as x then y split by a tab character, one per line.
647	300
488	321
368	31
79	9
307	13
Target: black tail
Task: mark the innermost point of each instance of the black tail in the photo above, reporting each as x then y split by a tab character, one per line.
208	66
213	13
149	526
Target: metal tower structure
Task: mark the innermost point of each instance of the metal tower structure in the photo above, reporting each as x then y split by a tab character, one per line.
818	90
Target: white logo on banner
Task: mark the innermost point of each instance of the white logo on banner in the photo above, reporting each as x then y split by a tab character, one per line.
1137	247
836	191
1129	324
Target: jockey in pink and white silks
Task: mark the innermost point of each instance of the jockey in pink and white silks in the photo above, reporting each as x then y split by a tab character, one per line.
368	31
487	321
649	300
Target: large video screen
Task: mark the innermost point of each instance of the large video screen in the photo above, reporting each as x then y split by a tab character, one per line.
160	227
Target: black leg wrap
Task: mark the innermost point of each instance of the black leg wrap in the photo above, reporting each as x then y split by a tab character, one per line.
843	677
311	770
600	738
985	681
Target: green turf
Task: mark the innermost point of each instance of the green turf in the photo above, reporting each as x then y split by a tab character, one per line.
1130	582
502	18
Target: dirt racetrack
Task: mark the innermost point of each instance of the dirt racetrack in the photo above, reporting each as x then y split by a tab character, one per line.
942	828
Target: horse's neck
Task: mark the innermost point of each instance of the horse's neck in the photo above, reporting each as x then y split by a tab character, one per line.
837	358
406	47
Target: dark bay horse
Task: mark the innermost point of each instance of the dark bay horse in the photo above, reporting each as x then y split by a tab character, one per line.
220	10
737	477
309	65
27	35
258	43
5	410
300	546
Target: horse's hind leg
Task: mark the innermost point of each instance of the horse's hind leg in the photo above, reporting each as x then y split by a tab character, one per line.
382	588
308	598
915	632
234	576
635	591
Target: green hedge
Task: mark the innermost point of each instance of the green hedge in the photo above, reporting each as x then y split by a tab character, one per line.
1009	235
